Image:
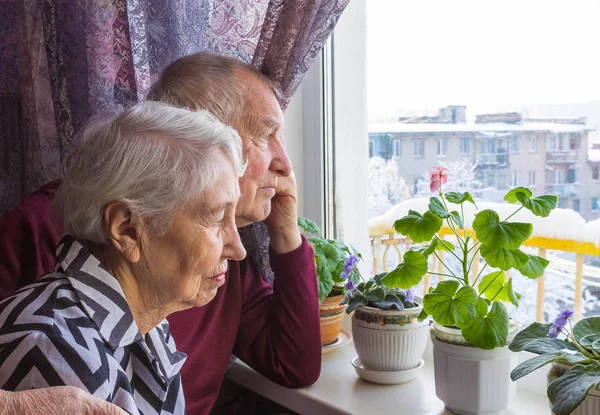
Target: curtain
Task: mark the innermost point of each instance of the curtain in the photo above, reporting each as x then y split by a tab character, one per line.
61	61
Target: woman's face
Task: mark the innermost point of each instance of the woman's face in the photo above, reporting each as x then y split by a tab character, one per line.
185	267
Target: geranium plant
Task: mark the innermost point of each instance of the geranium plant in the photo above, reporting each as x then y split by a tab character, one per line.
473	306
335	261
576	346
373	293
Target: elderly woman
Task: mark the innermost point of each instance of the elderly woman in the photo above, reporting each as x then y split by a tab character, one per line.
148	205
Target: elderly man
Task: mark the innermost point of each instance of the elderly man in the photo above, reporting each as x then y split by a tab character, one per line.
274	329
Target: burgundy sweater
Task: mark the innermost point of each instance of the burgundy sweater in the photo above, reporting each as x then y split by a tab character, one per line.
275	330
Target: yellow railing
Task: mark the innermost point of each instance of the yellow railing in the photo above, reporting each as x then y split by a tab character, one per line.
392	240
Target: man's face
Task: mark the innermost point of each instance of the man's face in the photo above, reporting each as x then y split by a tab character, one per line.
261	130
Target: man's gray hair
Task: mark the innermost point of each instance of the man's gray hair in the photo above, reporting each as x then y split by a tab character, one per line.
154	157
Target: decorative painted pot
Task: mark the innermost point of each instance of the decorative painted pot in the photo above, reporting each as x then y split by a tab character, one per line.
331	313
591	404
389	340
470	380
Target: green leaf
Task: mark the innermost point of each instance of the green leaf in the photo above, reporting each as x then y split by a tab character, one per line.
495	234
482	307
422	315
535	266
435	245
375	295
490	331
449	305
418	228
568	391
309	226
324	279
503	258
534	331
588	341
390	301
436	206
458	197
456	218
508	294
534	363
585	327
491	284
408	273
512	195
548	345
355	301
539	206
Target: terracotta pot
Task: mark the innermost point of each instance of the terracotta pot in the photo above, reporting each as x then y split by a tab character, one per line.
591	404
331	318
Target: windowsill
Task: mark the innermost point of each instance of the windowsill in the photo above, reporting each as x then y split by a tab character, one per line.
340	391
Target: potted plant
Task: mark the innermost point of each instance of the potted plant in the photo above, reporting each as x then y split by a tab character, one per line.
471	326
387	334
335	263
574	352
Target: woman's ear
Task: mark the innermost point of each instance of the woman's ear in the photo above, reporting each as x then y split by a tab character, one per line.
124	229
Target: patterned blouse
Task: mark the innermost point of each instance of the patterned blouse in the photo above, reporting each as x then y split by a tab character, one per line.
74	327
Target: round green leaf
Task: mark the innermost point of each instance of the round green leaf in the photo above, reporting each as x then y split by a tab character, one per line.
491	284
495	234
588	341
408	273
539	206
513	195
418	228
548	345
535	266
324	279
568	391
449	305
309	226
534	331
375	295
490	331
459	197
503	258
482	307
585	327
534	363
436	206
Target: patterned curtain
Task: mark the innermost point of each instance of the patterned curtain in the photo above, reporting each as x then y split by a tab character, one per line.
61	61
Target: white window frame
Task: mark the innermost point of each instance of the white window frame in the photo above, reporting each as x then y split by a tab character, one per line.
418	148
397	148
514	144
442	147
462	151
514	179
533	144
532	178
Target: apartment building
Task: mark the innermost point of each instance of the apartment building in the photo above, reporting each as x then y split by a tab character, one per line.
548	155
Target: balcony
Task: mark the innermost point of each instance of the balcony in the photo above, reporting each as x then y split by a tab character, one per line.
568	156
493	160
564	190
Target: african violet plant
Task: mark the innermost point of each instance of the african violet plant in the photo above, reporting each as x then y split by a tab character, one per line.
373	293
578	347
475	307
335	261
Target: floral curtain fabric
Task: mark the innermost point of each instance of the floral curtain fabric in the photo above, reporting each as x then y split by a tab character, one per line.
61	61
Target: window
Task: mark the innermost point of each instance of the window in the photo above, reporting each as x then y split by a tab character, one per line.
574	141
419	148
489	146
514	178
595	205
595	173
532	178
555	142
397	148
442	147
371	149
576	205
533	144
514	144
464	145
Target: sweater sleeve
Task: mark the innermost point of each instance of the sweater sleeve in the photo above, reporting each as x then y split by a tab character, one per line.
279	334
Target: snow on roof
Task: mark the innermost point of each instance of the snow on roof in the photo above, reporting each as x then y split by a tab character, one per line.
561	224
593	154
475	127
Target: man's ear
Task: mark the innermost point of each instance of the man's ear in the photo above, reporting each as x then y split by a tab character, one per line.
124	229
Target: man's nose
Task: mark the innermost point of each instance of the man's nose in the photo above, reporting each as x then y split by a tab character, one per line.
280	163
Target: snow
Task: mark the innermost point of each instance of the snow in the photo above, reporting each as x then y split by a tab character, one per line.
561	224
594	154
386	186
477	127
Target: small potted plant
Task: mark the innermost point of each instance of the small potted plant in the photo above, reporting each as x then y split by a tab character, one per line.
335	263
574	352
471	326
387	334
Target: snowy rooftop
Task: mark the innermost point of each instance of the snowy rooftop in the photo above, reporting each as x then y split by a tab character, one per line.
594	154
477	127
561	224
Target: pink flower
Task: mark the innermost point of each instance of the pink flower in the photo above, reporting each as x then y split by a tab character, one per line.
438	177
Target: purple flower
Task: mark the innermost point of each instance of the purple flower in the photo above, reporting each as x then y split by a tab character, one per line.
562	318
409	296
553	332
344	275
350	285
349	263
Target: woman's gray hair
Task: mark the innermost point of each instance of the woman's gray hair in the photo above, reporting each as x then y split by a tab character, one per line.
154	157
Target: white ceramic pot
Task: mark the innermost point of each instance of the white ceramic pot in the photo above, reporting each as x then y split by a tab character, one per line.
471	381
389	340
591	404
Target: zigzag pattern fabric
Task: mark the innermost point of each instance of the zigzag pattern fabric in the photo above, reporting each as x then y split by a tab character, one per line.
74	327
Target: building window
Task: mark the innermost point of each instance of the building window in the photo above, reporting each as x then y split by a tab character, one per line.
371	149
489	146
574	141
514	178
576	205
595	173
397	148
595	204
556	142
442	147
419	148
464	145
532	178
533	144
514	145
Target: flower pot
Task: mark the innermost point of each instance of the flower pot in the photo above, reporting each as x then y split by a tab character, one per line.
389	340
469	380
591	404
331	313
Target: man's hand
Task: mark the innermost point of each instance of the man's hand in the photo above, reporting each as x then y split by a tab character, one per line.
282	223
58	400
